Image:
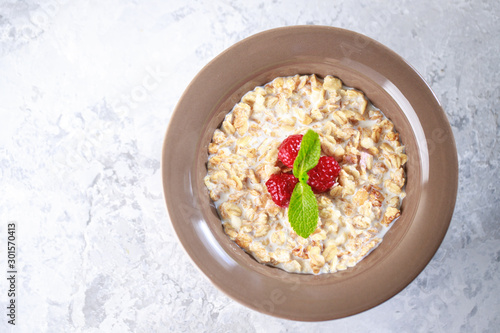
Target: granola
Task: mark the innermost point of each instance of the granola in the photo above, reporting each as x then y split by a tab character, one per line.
353	216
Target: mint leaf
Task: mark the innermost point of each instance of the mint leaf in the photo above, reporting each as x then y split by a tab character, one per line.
308	156
303	211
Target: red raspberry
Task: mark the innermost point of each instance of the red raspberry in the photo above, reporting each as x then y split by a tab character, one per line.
289	149
323	176
281	186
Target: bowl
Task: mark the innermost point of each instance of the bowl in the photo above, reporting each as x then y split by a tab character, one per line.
393	86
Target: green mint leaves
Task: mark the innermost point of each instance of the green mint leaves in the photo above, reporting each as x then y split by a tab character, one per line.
308	156
303	209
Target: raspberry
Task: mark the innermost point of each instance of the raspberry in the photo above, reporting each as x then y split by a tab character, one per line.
281	186
289	149
323	176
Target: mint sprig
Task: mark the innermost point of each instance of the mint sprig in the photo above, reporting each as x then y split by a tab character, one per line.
303	212
303	209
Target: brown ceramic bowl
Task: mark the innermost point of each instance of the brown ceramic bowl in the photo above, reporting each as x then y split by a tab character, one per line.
393	86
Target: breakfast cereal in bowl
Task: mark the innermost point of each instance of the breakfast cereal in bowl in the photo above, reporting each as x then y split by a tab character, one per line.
355	183
276	190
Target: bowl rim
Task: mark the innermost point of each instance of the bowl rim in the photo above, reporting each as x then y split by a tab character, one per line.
292	284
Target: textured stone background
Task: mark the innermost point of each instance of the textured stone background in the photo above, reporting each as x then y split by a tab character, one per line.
86	92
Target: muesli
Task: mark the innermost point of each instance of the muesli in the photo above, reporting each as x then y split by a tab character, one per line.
354	214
